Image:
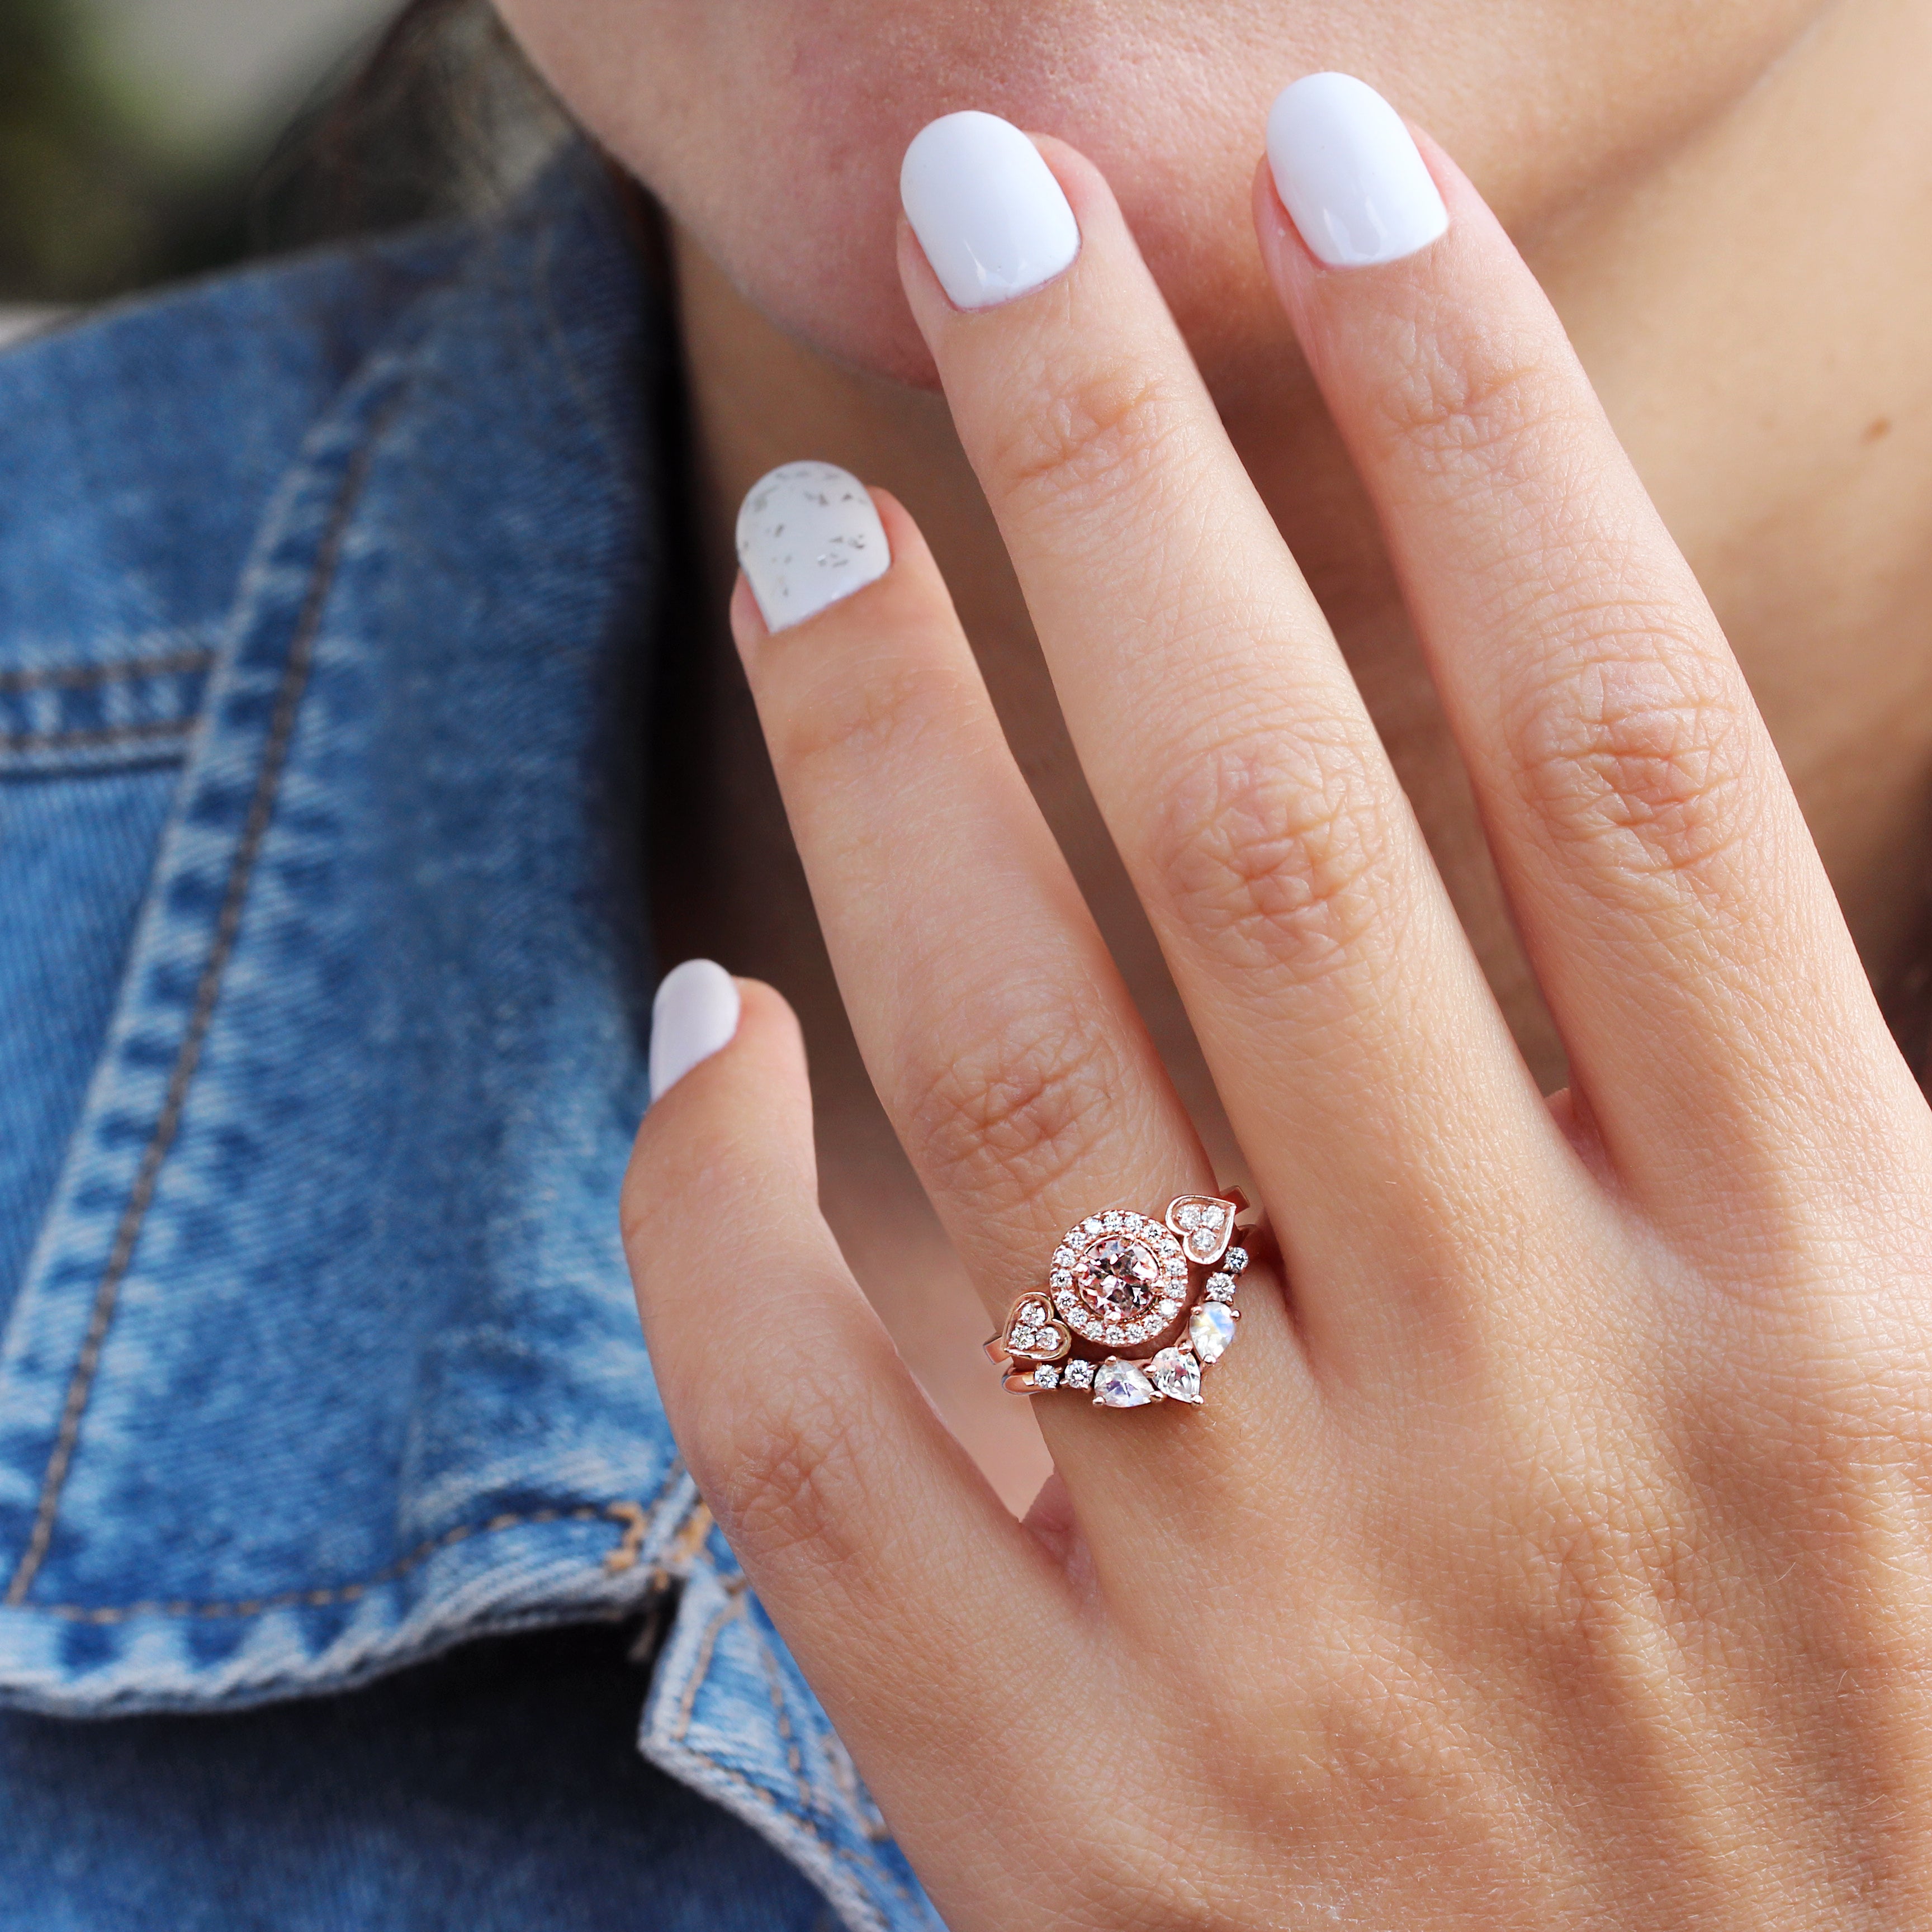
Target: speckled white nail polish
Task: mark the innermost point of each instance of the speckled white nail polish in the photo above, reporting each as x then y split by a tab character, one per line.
1349	173
807	535
992	220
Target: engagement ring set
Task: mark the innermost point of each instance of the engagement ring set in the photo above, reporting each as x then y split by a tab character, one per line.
1122	1281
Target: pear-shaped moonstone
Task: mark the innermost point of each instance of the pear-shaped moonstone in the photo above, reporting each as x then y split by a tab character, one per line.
1121	1385
1211	1330
1177	1375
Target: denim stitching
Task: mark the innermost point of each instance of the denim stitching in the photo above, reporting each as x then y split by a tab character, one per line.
758	1795
178	663
680	1730
337	1593
110	734
794	1756
706	1644
281	730
626	1513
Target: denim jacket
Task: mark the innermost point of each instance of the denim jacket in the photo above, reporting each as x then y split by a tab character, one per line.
328	596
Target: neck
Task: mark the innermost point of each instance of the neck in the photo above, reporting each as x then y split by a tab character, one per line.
1754	311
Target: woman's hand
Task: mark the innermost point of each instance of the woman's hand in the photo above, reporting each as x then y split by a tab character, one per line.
1554	1548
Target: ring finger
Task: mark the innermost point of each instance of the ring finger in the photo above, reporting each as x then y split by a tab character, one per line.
1003	1043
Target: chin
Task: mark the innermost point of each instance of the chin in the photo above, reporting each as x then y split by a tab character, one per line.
831	285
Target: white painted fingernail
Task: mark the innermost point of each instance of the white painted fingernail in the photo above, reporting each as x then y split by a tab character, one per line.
694	1014
1348	171
986	209
807	535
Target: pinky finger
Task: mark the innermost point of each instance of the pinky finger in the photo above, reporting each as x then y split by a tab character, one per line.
900	1583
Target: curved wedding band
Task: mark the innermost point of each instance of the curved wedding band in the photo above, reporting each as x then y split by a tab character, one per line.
1127	1280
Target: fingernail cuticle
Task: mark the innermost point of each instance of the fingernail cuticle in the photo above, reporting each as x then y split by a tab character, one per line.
808	536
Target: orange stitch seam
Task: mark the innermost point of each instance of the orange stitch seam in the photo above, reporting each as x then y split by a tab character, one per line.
67	676
774	1685
347	1592
110	734
707	1645
228	926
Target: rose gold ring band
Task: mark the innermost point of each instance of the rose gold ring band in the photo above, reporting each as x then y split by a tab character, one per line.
1123	1281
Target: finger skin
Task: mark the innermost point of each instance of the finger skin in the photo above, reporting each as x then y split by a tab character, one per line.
1335	995
1670	896
994	1023
995	1026
880	1551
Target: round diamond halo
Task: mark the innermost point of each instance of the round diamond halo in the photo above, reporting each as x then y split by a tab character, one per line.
1120	1279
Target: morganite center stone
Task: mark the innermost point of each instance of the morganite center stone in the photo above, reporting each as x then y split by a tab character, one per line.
1118	1275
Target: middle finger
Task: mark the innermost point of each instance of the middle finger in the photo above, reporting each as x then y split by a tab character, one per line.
1338	1002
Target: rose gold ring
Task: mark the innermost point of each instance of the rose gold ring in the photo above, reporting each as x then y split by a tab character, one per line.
1120	1280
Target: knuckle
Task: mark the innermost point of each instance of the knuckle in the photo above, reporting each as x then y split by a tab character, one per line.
839	721
1094	427
1454	407
1638	758
1007	1120
784	1474
1275	857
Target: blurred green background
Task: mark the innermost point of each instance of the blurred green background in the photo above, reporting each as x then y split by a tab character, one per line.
142	140
135	134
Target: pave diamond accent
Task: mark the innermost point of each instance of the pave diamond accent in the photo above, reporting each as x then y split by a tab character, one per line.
1211	1330
1175	1374
1204	1224
1122	1385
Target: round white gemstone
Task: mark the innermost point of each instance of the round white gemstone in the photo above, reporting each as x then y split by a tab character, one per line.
1121	1385
1063	1256
1220	1287
1167	1311
1046	1376
1115	1333
1035	1312
1079	1375
1091	1226
1189	1216
1211	1330
1234	1260
1110	1220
